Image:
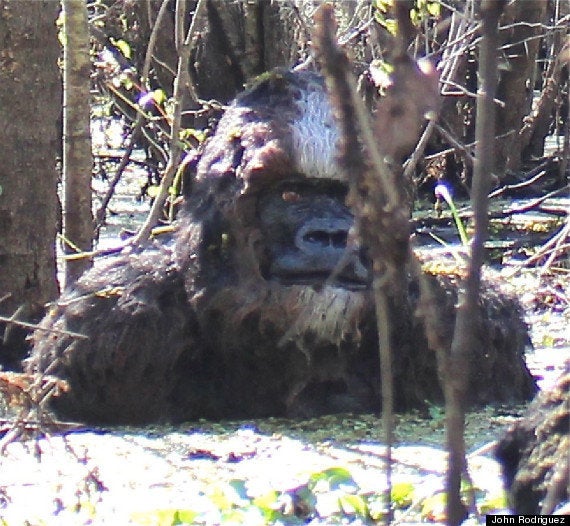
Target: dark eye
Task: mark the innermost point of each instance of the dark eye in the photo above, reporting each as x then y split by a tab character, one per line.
290	197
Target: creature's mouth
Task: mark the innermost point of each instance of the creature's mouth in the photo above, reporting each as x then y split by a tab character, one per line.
321	278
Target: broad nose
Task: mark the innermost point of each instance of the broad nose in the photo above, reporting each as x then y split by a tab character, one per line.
327	235
324	243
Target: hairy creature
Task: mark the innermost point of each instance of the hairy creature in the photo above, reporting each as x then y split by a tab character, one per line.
261	305
535	453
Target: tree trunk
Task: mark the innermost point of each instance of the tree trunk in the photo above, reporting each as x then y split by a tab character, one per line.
77	156
467	321
236	41
538	125
513	87
30	106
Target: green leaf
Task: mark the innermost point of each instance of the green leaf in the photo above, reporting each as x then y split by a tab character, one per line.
442	192
434	508
415	16
191	133
353	505
269	505
240	490
159	96
494	502
383	5
434	9
335	478
185	516
267	501
424	9
153	191
402	494
231	495
436	412
219	498
390	25
122	46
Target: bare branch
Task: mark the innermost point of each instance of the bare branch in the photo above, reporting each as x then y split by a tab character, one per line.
456	370
181	81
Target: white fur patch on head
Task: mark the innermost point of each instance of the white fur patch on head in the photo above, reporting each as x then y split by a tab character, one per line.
315	135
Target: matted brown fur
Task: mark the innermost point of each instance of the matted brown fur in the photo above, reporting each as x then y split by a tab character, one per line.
535	453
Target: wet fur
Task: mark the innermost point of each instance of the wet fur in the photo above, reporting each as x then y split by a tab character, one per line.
535	452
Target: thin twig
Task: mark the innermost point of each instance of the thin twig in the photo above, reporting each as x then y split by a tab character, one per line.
180	82
412	161
45	329
139	122
465	147
556	244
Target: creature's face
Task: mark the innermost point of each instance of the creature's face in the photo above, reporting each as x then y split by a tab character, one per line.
271	173
275	199
307	228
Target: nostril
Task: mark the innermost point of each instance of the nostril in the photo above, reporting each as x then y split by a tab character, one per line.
323	238
323	234
339	239
317	237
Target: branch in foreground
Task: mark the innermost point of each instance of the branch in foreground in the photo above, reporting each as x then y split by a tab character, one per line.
377	191
456	368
